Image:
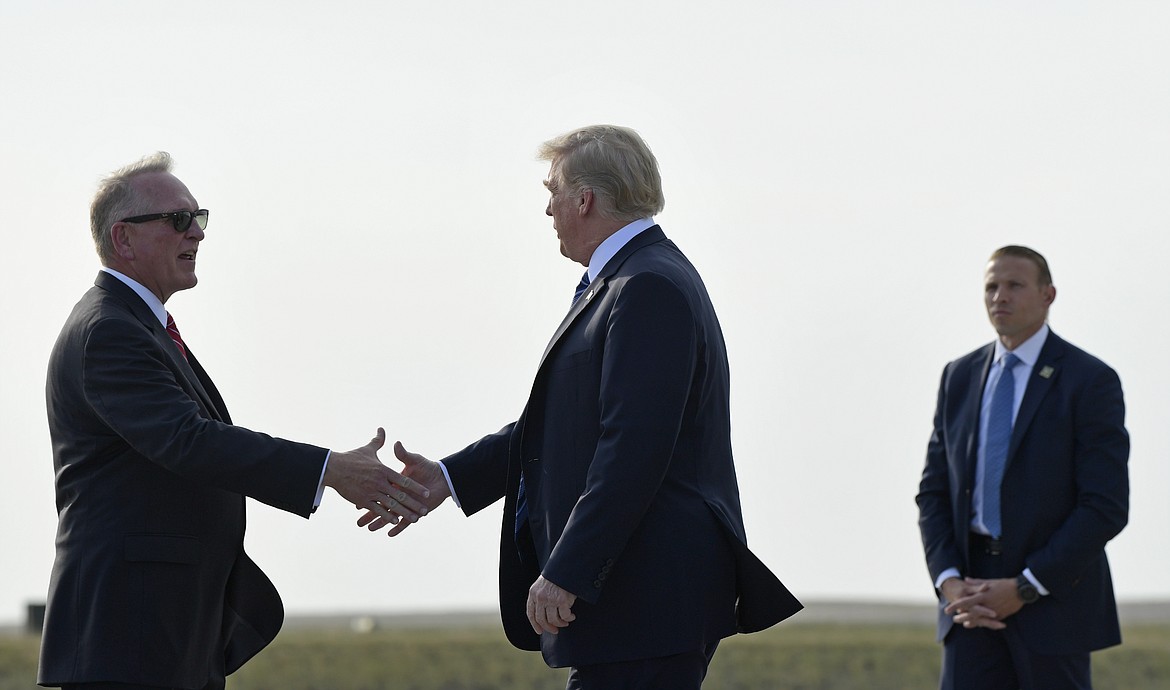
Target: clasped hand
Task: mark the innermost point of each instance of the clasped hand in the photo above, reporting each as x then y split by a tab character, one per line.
978	603
361	478
420	472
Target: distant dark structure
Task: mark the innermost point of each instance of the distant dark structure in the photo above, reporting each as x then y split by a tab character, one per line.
36	619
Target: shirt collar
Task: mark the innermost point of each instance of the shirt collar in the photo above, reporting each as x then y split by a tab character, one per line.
1028	351
612	244
151	299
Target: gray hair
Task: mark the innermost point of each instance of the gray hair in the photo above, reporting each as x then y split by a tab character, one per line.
115	200
612	161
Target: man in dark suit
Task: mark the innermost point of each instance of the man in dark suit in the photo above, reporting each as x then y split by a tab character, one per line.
622	548
1025	482
151	586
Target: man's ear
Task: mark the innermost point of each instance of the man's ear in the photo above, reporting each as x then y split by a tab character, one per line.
123	240
585	203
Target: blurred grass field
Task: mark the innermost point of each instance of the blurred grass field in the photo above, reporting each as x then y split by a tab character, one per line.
794	656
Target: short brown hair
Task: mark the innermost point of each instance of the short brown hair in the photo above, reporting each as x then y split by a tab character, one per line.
1044	275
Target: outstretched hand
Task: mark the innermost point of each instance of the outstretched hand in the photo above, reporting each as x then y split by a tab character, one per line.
417	469
361	478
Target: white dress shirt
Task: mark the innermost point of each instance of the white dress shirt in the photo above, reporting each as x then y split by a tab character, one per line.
1028	353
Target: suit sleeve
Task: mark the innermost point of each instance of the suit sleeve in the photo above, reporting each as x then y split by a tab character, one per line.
935	508
651	346
130	386
1101	454
479	472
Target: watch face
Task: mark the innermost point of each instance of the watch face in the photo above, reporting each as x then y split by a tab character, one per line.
1027	590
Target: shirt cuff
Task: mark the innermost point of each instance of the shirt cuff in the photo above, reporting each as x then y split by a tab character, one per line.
321	482
946	575
1035	583
450	486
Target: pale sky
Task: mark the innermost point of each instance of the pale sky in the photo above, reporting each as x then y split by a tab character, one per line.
377	252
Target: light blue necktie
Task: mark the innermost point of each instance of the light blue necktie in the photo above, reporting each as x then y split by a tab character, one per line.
521	499
999	436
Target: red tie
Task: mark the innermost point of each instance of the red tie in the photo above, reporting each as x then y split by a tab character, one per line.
173	330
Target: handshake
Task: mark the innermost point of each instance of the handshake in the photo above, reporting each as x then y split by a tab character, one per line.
388	497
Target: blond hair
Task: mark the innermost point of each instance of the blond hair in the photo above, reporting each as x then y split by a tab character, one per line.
611	161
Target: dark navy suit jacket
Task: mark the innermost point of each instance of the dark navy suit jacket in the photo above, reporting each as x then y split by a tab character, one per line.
151	584
1065	490
625	446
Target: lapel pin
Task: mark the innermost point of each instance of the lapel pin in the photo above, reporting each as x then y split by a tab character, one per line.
1046	372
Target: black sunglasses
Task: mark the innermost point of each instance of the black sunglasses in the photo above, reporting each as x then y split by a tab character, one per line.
180	219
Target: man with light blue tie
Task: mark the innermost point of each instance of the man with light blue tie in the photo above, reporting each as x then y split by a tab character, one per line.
1025	482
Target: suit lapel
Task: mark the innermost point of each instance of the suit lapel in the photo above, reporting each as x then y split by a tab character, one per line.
148	320
190	370
977	384
207	390
1040	382
597	286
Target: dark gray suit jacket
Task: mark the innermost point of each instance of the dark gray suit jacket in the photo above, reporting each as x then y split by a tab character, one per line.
625	445
151	584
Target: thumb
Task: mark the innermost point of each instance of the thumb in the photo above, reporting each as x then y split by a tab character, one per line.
404	456
378	441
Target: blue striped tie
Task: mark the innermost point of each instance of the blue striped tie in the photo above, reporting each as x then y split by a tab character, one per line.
999	436
581	287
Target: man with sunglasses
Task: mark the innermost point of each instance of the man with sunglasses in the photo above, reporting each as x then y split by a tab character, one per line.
151	587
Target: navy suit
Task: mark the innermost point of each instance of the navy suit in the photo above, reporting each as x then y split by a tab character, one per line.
1065	492
151	584
625	447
